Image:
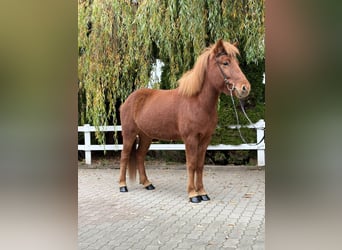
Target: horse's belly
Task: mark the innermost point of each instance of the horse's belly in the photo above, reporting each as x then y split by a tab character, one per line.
158	126
160	132
163	135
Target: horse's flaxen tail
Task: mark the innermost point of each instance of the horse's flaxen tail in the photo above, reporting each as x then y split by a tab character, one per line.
132	166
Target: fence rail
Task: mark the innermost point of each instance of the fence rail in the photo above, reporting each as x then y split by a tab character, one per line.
87	147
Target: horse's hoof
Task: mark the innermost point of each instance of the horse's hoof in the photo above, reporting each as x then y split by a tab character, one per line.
150	187
204	197
123	189
196	199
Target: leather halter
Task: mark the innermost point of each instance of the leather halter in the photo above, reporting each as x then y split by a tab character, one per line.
230	86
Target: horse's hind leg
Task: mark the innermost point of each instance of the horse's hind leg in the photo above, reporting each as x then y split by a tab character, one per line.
128	143
144	144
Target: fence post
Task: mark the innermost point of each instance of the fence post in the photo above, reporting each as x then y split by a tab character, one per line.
261	147
87	143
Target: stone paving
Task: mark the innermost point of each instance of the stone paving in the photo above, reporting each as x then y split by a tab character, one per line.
163	218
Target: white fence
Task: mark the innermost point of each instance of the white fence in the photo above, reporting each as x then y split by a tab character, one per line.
88	147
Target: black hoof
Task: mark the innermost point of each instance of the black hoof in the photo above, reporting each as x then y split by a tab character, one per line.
196	199
150	187
204	197
123	189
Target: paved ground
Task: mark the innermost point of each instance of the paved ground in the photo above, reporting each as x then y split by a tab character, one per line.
234	218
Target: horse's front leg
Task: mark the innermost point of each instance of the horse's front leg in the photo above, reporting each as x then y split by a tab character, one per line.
202	194
191	150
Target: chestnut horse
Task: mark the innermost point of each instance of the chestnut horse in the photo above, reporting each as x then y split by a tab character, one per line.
187	113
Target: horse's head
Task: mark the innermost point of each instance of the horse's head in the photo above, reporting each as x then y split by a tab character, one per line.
225	71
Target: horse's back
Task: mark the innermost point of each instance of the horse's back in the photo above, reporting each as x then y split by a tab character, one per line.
130	107
153	112
134	102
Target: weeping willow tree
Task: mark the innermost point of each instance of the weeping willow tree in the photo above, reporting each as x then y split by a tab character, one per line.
119	40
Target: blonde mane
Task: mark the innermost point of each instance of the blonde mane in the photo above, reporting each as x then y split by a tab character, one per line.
191	82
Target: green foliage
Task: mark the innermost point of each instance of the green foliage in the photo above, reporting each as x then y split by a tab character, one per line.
120	39
109	69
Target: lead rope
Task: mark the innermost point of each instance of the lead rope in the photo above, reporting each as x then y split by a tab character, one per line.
237	118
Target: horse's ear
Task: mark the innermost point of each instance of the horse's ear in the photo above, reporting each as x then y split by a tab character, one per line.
219	48
236	44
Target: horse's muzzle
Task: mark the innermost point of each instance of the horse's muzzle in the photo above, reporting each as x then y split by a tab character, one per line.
242	90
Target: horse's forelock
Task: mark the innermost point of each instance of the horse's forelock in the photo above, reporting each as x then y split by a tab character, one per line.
230	49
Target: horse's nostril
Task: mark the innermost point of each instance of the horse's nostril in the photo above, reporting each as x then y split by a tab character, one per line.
244	88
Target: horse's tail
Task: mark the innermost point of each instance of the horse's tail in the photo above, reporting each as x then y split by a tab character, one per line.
132	166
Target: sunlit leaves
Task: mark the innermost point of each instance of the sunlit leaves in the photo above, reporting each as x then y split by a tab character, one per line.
120	39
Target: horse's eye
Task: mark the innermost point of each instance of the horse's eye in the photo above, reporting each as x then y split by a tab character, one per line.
225	63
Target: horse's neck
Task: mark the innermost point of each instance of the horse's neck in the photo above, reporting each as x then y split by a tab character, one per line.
209	97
